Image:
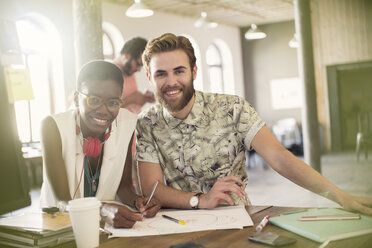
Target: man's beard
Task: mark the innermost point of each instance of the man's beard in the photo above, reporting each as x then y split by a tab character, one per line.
127	68
173	105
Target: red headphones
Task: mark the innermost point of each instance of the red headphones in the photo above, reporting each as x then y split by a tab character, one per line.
92	147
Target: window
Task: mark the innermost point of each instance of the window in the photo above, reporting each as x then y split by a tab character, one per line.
108	47
112	41
220	68
215	69
40	48
198	82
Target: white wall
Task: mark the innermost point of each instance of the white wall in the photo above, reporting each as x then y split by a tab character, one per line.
270	59
59	12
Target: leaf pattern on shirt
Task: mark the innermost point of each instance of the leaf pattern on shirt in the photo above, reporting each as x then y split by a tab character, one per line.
210	143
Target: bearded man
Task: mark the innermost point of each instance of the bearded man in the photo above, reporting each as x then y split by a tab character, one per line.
194	143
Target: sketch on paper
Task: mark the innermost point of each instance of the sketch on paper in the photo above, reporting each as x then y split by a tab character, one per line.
231	217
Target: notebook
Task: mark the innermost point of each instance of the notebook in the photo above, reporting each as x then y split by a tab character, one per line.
325	230
35	229
37	221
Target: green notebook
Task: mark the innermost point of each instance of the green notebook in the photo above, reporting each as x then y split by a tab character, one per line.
324	230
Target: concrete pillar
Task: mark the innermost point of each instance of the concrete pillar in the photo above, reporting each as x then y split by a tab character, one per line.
87	31
306	69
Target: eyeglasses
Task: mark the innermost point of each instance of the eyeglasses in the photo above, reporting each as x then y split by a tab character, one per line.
94	102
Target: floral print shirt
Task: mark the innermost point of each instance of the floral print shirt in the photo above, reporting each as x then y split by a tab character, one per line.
210	143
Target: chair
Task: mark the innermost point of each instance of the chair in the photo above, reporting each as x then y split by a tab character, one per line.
364	135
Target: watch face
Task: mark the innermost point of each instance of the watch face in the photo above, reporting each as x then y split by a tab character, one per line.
194	201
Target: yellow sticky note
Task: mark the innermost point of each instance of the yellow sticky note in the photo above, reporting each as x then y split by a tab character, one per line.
18	84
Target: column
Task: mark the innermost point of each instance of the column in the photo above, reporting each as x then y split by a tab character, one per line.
87	31
306	70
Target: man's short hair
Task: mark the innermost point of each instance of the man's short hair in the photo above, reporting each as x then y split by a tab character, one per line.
99	70
134	47
166	43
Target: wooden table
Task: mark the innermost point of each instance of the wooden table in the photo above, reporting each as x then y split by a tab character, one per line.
234	238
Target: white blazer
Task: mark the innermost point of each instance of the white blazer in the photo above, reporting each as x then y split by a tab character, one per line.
116	147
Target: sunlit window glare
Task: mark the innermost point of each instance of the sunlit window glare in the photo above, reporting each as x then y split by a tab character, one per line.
35	46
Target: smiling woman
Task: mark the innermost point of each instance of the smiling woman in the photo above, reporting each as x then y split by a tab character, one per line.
85	150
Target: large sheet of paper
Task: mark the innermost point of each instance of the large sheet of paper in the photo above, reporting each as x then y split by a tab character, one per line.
231	217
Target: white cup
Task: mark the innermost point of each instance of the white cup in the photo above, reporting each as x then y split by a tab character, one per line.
84	215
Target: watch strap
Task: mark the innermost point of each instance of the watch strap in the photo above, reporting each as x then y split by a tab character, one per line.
197	195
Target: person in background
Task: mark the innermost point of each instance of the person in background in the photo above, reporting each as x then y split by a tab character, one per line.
197	141
86	150
130	62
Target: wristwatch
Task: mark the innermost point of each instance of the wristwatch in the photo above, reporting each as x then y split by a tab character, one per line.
194	200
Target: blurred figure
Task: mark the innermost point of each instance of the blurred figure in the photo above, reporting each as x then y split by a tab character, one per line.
130	62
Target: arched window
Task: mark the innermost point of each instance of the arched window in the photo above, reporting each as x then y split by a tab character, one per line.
198	82
220	68
41	50
215	69
112	41
108	47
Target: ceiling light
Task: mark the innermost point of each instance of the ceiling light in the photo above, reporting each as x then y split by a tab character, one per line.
254	33
294	42
203	22
138	10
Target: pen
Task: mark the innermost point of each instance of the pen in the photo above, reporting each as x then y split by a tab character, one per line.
152	192
182	222
105	231
331	217
263	223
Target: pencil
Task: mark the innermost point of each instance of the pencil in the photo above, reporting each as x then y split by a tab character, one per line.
331	217
182	222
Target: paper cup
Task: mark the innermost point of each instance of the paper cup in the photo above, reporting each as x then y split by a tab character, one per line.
84	215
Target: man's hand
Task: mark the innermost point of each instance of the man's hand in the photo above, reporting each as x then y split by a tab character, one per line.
148	210
119	216
359	204
221	191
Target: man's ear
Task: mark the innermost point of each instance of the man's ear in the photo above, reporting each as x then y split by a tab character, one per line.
194	72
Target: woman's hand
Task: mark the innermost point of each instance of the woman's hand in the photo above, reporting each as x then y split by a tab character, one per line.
148	210
119	215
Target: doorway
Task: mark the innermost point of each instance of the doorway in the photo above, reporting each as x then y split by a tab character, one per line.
350	92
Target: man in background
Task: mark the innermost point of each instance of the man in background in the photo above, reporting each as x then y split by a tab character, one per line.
130	62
